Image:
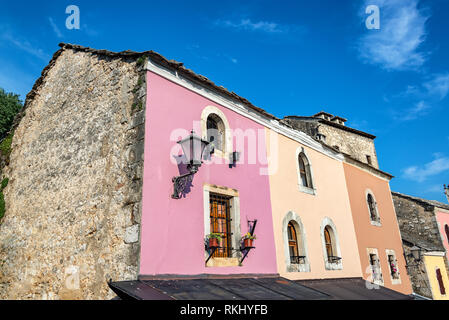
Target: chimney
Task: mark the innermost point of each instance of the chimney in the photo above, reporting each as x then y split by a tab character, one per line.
446	191
339	120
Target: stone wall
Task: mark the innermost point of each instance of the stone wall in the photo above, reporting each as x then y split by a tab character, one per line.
356	145
417	222
418	226
73	202
351	143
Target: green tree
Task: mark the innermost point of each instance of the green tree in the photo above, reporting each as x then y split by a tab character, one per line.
10	104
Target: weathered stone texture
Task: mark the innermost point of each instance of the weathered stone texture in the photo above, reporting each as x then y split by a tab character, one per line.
356	145
418	226
75	173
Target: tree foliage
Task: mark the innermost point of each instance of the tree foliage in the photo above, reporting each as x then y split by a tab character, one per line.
10	104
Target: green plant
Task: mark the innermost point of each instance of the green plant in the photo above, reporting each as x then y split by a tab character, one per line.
10	105
2	205
4	184
141	60
217	236
249	236
5	145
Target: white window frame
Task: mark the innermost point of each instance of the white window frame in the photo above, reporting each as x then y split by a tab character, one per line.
390	252
376	252
300	233
336	245
374	223
227	141
235	223
311	191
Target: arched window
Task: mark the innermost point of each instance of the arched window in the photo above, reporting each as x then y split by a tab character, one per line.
446	229
372	206
292	242
440	282
216	132
304	171
328	242
295	244
331	246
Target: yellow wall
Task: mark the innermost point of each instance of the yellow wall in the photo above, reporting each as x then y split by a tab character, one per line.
432	263
331	200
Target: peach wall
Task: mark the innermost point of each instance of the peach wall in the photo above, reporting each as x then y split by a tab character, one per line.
331	200
386	236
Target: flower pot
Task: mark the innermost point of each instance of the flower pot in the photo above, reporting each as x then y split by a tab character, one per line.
213	242
248	243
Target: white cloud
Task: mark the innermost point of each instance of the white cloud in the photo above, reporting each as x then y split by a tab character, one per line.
418	110
55	28
402	30
438	86
26	46
421	173
247	24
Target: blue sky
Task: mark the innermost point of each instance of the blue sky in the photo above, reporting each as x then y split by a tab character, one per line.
289	58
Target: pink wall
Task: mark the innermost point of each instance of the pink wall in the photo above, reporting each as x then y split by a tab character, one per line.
172	238
443	219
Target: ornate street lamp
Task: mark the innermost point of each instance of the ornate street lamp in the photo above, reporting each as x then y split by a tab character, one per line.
193	148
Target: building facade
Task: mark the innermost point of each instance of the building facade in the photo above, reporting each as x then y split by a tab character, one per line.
312	220
424	244
220	199
378	237
100	188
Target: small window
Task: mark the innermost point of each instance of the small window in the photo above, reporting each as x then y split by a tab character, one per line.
440	282
375	267
304	171
220	222
393	267
215	132
372	206
368	160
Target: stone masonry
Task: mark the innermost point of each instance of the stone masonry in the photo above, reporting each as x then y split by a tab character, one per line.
73	202
419	227
353	142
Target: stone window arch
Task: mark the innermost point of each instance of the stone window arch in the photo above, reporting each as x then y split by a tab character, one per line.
331	245
295	244
304	171
215	129
372	208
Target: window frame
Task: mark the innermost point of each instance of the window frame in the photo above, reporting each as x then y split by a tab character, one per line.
235	223
374	251
392	253
328	224
310	187
227	142
377	222
301	241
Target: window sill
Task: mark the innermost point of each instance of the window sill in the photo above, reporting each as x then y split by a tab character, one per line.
307	190
395	281
303	267
334	265
223	262
376	223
